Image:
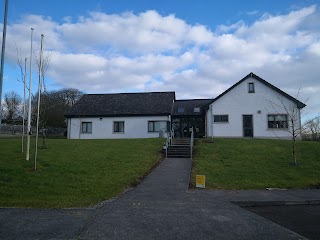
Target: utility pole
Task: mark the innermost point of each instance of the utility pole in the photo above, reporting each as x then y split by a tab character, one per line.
29	107
4	33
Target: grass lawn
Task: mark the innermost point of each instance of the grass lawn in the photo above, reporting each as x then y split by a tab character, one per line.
73	173
256	164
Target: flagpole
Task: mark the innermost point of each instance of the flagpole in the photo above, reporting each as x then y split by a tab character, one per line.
29	107
24	102
4	34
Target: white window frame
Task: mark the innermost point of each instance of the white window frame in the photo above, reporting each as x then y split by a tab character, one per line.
253	87
151	130
118	127
278	125
221	115
85	127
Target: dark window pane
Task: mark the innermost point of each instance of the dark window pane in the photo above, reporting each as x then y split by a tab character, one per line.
251	87
86	127
277	121
157	126
118	127
180	109
221	118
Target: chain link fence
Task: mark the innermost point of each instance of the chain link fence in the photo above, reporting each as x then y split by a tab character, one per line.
13	129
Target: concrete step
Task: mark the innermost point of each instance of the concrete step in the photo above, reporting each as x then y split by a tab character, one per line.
178	156
181	143
181	140
178	151
180	148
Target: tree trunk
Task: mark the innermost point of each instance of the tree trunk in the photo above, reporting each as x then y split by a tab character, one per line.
44	144
294	151
293	143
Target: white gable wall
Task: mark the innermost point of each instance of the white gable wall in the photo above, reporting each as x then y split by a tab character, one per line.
239	102
134	127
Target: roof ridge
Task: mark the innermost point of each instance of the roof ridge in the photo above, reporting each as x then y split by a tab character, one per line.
195	99
127	93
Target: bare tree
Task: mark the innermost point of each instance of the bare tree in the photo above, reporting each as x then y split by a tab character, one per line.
292	124
23	68
44	65
312	127
54	104
12	105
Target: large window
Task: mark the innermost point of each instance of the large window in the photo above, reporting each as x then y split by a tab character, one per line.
86	127
221	118
118	127
157	126
277	121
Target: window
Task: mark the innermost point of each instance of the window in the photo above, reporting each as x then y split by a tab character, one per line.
157	126
251	87
277	121
196	110
180	109
221	118
118	127
86	127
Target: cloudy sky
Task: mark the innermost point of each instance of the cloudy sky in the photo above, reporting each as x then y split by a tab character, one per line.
196	48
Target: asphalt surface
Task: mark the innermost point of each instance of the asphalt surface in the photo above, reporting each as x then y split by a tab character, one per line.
302	219
161	207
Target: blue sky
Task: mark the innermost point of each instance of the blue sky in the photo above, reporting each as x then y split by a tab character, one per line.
196	48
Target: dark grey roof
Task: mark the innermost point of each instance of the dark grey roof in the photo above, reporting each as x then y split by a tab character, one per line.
188	107
299	104
123	104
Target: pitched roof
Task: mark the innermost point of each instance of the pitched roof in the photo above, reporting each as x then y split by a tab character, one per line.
299	104
188	107
123	104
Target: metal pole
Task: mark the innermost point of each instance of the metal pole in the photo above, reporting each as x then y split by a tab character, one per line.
4	33
29	107
39	94
24	101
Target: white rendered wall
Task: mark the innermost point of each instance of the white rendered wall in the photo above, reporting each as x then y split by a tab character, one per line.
134	127
239	102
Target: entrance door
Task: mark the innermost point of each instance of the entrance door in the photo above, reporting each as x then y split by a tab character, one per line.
247	126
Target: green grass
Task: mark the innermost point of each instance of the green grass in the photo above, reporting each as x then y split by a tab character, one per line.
73	173
256	164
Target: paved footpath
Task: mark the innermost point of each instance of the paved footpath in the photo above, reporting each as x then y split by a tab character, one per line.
161	207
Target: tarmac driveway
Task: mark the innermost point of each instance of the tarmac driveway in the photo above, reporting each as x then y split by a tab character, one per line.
161	207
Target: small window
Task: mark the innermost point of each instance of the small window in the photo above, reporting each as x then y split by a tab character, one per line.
86	127
277	121
157	126
221	118
118	127
196	110
251	87
180	109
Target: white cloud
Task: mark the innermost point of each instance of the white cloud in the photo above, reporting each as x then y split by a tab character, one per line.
148	51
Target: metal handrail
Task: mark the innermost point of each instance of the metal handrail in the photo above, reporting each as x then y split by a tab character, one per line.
170	136
191	142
